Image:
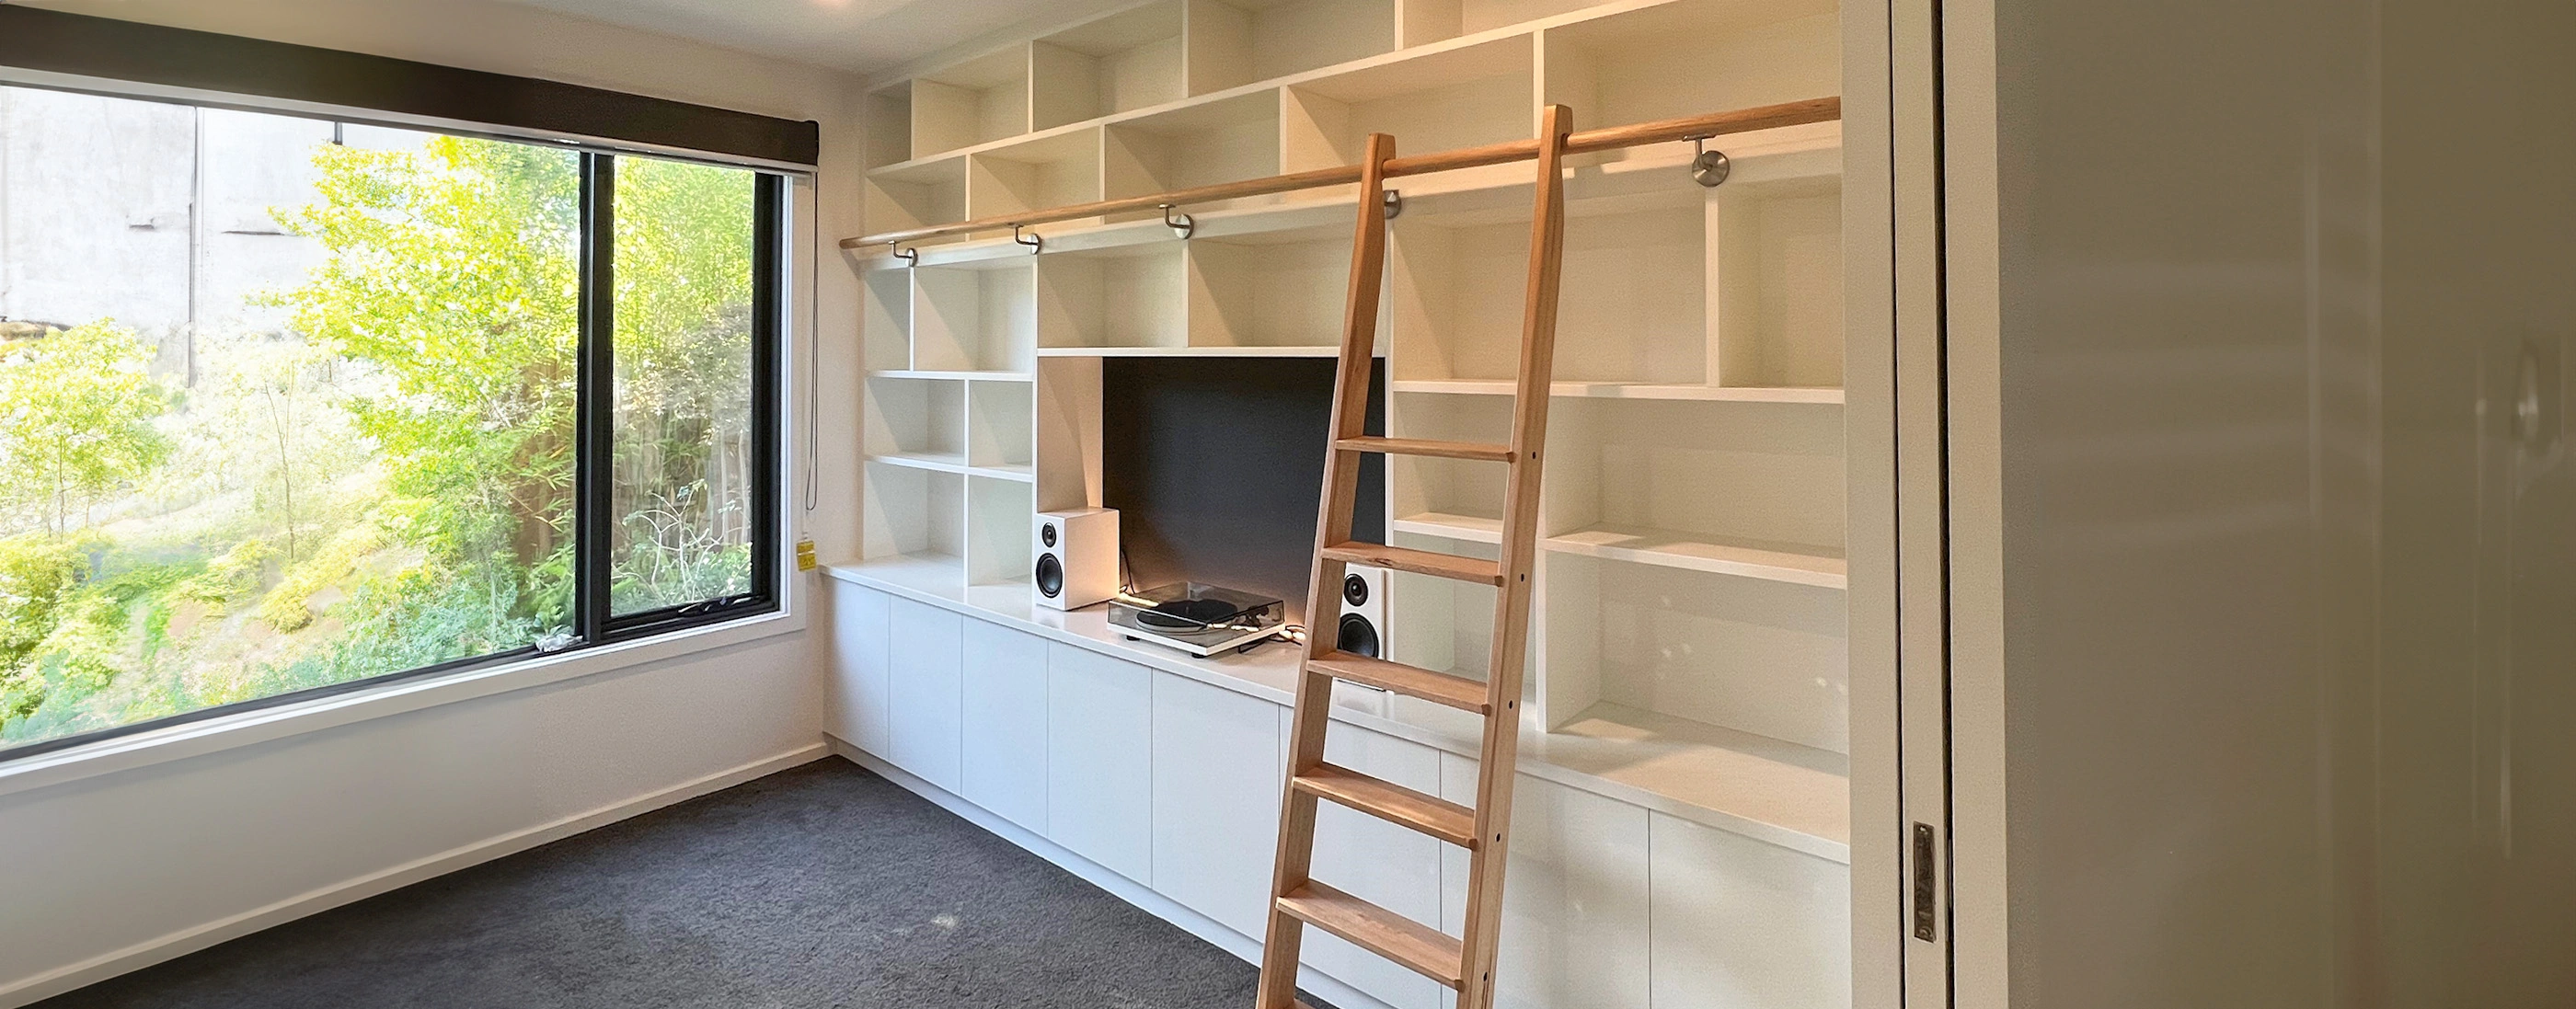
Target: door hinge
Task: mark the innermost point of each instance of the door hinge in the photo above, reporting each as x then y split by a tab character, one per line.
1925	884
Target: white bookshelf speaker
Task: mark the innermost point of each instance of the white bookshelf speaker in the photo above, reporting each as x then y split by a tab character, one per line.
1077	557
1362	628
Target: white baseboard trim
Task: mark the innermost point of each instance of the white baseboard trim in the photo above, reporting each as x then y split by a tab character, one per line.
1324	986
189	940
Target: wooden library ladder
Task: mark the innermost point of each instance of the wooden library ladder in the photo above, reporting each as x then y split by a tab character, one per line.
1297	900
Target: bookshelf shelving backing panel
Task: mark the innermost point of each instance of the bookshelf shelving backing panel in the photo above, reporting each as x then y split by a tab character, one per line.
1124	296
1463	96
1766	658
1779	286
971	102
917	194
1678	59
1050	171
1227	140
1237	42
975	317
910	512
997	531
1129	60
1269	289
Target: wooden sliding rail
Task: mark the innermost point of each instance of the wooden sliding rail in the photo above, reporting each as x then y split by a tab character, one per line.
1814	110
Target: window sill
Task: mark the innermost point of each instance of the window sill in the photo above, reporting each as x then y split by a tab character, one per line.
214	735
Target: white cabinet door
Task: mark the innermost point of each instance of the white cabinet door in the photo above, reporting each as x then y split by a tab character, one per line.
1390	866
1574	896
1004	763
1216	800
924	688
1099	751
1738	923
858	675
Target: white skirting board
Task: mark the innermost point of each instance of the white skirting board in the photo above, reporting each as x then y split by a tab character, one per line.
189	940
1202	926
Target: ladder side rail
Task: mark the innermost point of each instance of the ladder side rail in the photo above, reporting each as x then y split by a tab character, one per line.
1314	700
1499	761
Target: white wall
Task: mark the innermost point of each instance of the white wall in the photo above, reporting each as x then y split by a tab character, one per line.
113	872
2265	576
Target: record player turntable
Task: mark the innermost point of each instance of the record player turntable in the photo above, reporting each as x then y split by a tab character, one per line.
1198	618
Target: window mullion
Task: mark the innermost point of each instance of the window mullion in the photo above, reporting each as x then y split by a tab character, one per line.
596	397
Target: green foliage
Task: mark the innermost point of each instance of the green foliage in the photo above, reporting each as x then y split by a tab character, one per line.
388	485
76	412
451	271
36	571
684	302
289	606
229	576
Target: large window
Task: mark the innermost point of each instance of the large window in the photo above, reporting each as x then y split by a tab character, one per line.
289	404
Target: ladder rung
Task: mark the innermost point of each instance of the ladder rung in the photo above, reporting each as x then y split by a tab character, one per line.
1420	562
1424	950
1420	446
1391	802
1412	681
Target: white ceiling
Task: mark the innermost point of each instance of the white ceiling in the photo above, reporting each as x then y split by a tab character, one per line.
862	36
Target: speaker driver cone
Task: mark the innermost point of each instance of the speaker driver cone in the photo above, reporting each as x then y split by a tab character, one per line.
1358	636
1050	576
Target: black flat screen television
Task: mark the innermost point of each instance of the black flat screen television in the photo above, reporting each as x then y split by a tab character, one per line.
1216	467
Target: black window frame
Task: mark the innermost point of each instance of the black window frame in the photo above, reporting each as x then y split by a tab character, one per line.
592	624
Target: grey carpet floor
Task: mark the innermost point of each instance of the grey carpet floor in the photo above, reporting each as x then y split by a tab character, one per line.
820	887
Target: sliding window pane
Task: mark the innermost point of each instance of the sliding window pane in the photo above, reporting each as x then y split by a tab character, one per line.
684	457
283	404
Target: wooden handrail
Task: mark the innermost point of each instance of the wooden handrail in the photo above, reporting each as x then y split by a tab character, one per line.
1814	110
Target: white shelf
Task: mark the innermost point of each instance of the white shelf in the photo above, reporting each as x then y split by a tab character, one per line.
1625	390
951	462
1467	528
1189	351
954	376
1799	792
938	462
1779	562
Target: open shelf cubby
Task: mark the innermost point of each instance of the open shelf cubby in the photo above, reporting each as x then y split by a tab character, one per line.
913	513
1236	42
971	102
1228	140
1051	171
888	114
1454	498
916	422
1446	625
1122	296
1760	657
1459	97
1753	490
997	531
1780	282
1688	58
1269	289
1633	309
1000	426
1426	21
1129	60
917	194
978	316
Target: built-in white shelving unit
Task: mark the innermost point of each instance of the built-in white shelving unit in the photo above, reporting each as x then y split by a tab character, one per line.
1689	635
1693	509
